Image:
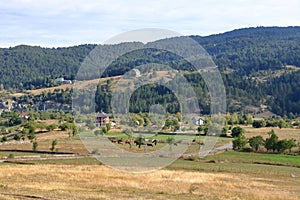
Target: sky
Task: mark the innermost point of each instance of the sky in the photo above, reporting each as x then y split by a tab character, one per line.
58	23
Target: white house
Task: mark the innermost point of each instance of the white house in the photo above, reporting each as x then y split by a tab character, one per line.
199	121
62	80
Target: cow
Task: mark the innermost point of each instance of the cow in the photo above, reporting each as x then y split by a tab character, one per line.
150	144
113	140
128	141
120	141
155	141
138	143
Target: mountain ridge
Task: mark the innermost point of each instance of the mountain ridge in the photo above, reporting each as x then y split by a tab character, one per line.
244	58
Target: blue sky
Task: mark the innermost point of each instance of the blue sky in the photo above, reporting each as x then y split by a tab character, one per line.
53	23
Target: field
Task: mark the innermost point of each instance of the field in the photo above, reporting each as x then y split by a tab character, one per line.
225	175
181	180
64	86
284	133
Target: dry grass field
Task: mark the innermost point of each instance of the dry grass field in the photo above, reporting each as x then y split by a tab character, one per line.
99	182
64	143
84	84
229	175
284	133
65	86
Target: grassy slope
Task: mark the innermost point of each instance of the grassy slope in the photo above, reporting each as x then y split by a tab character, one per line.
82	181
227	175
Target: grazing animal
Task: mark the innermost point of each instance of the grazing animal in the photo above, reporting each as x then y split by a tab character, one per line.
150	144
155	141
127	141
120	141
113	140
138	143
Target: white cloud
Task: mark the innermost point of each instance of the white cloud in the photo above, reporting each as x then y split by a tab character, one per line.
70	22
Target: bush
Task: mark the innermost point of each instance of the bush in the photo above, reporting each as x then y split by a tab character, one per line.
237	131
271	142
54	143
51	127
31	136
259	123
11	156
4	139
65	126
17	137
239	142
108	127
255	142
34	145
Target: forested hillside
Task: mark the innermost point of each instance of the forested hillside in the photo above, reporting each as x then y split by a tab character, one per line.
252	49
34	67
258	66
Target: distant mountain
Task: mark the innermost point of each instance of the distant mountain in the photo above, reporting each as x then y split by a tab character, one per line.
253	49
245	51
259	66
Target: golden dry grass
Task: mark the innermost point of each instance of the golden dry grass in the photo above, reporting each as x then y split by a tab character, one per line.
64	143
100	182
39	91
284	133
64	86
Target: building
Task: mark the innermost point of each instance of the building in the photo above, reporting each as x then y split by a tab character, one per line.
62	80
24	115
199	121
136	72
101	119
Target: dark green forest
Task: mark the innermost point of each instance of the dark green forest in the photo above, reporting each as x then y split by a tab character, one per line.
252	62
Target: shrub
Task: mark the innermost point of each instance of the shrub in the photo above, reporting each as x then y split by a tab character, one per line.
239	142
259	123
4	139
54	143
237	131
17	137
11	156
255	142
34	145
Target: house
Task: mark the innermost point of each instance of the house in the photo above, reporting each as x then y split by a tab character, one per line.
67	82
101	119
24	115
134	73
199	121
62	80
